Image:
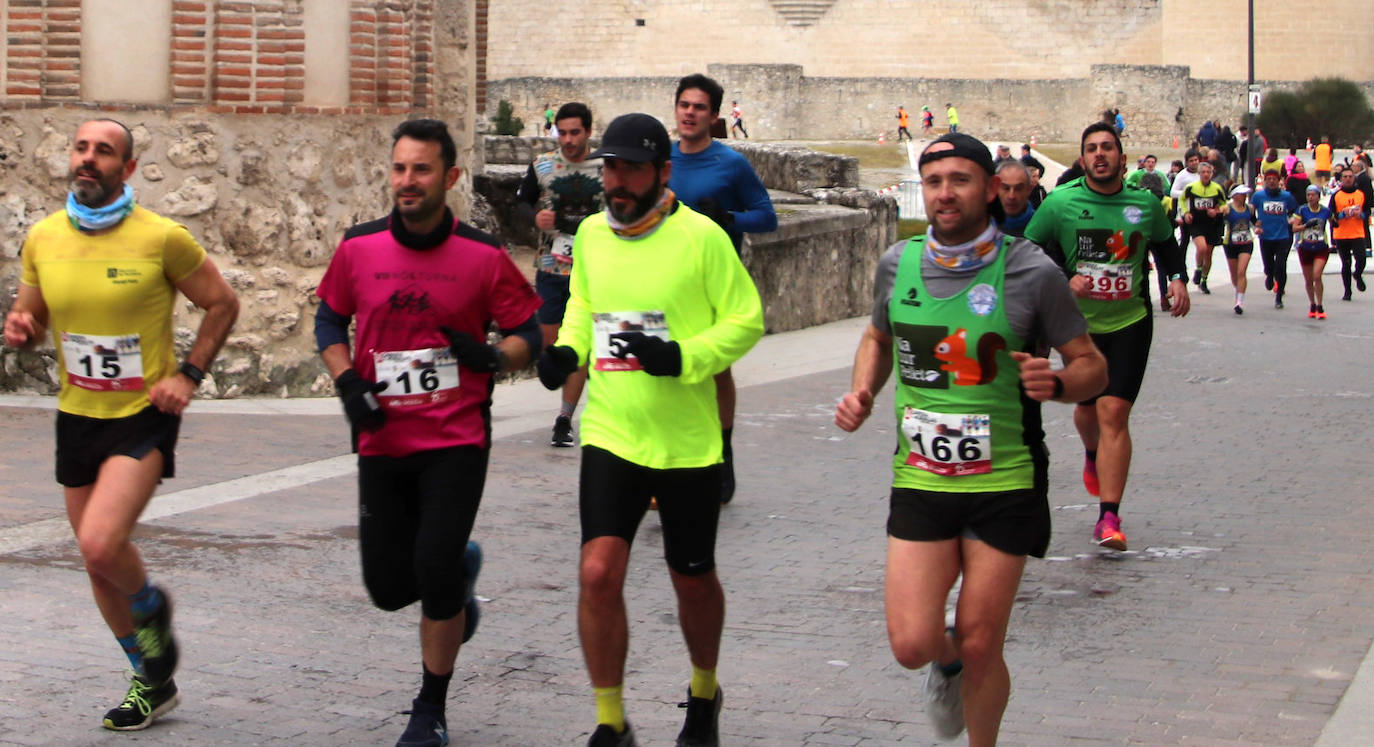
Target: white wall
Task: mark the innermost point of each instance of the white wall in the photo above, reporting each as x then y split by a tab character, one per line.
126	50
326	52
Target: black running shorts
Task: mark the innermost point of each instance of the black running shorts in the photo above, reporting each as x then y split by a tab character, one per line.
614	496
83	444
1127	350
1017	522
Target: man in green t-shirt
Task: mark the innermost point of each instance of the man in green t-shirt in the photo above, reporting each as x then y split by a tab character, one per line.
1100	231
660	303
958	316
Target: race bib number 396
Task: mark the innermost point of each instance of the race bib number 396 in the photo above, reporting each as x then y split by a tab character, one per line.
103	363
416	377
1110	282
948	444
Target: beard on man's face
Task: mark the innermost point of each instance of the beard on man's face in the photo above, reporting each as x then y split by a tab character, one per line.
643	203
92	193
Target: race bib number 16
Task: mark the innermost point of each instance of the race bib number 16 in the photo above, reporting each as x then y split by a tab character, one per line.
416	377
103	363
948	444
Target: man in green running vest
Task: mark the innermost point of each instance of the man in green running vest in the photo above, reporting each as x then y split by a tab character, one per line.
960	315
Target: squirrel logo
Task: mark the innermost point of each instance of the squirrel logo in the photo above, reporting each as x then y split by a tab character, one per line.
953	350
1120	248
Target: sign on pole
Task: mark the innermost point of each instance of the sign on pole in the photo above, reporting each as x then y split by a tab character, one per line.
1254	100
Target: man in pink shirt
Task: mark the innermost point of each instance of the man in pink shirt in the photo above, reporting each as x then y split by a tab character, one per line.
416	388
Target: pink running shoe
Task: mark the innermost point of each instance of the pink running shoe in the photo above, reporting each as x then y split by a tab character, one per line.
1108	533
1090	476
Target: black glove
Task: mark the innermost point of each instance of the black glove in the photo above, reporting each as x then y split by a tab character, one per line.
555	365
475	355
712	209
360	400
657	356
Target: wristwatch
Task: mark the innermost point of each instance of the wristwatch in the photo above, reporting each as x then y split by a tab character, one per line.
190	371
1178	276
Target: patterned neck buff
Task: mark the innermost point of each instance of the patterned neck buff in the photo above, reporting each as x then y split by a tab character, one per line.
970	255
649	223
88	219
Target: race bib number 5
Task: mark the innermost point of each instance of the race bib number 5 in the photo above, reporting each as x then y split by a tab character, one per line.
416	377
948	444
103	363
612	328
1110	282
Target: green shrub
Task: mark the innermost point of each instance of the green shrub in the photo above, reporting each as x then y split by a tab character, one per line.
1332	107
505	123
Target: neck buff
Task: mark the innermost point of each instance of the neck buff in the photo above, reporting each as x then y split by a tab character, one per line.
970	255
88	219
422	241
649	223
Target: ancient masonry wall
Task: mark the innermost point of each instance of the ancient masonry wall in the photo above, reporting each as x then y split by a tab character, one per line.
265	182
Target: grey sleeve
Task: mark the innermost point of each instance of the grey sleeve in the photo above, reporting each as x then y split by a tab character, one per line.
883	280
1039	302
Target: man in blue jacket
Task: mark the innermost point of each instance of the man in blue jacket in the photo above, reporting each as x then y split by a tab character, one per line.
716	180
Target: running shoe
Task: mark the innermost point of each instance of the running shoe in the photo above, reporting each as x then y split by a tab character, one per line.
1312	311
1090	476
606	736
1197	277
427	727
562	432
1269	282
944	703
142	705
1359	283
702	728
1346	297
155	640
1278	302
1239	310
1203	287
1108	533
472	565
1321	313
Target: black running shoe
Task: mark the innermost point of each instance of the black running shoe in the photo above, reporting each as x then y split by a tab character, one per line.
1203	287
702	728
427	727
1359	283
606	736
1346	297
1269	282
1239	310
562	432
142	705
155	640
1197	277
472	565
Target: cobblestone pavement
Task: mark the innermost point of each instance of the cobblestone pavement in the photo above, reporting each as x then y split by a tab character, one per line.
1240	616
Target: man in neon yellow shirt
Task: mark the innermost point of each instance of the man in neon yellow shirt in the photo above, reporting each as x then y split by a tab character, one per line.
660	304
103	276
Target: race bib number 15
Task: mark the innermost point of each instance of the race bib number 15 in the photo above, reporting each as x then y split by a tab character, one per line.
948	444
103	363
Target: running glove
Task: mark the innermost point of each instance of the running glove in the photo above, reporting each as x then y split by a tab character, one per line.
360	400
657	356
555	365
478	356
709	207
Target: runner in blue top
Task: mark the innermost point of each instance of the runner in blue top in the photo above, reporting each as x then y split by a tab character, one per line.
1314	247
717	181
1275	207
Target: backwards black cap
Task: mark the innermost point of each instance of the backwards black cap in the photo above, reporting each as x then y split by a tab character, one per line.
636	138
957	144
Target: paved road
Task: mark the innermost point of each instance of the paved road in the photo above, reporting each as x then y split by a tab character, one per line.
1241	616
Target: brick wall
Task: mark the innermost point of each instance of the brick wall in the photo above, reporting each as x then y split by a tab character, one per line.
235	56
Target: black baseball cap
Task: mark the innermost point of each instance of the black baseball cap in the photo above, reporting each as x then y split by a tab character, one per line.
636	138
957	144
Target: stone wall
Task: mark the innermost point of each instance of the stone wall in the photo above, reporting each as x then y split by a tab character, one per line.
781	103
932	39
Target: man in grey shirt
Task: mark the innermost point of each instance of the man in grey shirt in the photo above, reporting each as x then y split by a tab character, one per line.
961	313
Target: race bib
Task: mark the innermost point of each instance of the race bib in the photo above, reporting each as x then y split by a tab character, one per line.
948	444
1203	203
1275	208
1110	282
1313	235
610	330
562	249
103	363
1242	235
416	377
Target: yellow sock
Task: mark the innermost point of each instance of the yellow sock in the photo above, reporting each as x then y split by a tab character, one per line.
610	706
703	683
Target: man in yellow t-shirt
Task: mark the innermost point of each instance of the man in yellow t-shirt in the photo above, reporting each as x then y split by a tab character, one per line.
103	275
660	304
